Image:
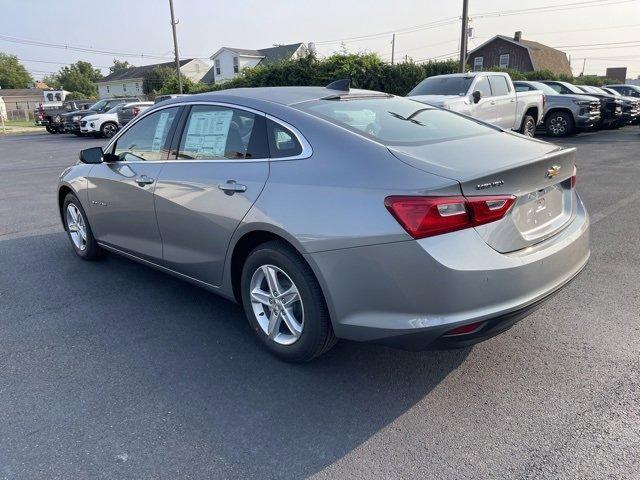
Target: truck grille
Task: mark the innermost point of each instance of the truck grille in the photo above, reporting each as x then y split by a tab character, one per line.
83	123
595	107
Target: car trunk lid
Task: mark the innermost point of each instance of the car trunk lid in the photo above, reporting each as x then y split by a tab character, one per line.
538	174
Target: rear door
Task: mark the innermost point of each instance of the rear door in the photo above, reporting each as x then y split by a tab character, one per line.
121	192
485	109
505	101
217	169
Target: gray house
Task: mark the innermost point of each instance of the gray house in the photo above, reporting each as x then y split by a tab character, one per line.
518	54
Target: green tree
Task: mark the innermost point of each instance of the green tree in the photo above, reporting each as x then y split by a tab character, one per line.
153	80
12	73
119	65
80	77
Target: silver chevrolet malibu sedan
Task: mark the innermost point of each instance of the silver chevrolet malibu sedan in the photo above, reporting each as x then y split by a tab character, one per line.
336	213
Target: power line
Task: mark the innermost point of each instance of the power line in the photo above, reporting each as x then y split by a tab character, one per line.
549	8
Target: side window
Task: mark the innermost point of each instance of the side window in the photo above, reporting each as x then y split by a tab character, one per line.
521	88
482	85
499	85
282	142
222	133
147	139
556	87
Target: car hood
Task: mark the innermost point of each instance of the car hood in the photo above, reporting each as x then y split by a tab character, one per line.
438	100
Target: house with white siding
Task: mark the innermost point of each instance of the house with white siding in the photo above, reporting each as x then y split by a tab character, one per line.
228	61
128	82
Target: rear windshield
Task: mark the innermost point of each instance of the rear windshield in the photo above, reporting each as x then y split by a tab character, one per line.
396	120
442	86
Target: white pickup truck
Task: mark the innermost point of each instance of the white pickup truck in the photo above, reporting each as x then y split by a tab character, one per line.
487	96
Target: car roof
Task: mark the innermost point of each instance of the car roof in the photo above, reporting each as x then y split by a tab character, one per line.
280	95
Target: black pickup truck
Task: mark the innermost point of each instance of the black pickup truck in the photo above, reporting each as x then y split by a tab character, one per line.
71	120
52	118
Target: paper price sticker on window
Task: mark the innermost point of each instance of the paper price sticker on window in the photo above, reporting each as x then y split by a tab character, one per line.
160	134
207	133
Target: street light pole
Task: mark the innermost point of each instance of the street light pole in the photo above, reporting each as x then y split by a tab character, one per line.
393	48
175	46
464	35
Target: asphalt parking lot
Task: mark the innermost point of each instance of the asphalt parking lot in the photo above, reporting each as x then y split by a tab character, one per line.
110	369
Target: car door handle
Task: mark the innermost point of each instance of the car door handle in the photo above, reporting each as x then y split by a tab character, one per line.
493	102
232	187
144	180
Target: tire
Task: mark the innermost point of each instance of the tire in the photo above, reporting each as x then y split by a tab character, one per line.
108	129
85	246
559	124
310	314
51	129
79	134
528	127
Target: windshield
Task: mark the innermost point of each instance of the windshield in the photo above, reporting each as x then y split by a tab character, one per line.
598	90
115	108
98	105
396	120
442	86
545	88
612	92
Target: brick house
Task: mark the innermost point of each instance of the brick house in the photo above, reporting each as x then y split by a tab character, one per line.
518	54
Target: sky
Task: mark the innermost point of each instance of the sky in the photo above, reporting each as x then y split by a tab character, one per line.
605	32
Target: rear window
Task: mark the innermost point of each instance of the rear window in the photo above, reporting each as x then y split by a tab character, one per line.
395	120
442	86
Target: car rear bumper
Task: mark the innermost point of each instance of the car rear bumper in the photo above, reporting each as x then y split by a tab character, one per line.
408	294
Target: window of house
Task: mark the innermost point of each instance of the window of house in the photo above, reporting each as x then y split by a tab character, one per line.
504	60
197	68
147	139
124	87
236	68
217	63
222	133
137	86
108	91
478	63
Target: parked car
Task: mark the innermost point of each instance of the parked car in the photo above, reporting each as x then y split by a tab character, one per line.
628	90
610	107
106	124
487	96
52	117
563	114
162	98
132	110
72	119
419	227
630	106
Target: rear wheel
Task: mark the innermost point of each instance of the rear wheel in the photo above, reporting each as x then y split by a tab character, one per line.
78	229
108	129
51	129
528	126
284	303
559	124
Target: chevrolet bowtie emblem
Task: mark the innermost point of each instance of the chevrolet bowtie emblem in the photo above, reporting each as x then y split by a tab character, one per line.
553	171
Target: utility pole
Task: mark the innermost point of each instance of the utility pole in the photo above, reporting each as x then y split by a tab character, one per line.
393	47
463	35
175	46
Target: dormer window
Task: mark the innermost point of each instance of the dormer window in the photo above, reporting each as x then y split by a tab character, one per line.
236	67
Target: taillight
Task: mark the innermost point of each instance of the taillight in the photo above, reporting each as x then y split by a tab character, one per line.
465	329
136	111
428	216
574	177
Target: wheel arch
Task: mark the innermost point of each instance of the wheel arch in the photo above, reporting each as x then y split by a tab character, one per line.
534	112
63	191
558	109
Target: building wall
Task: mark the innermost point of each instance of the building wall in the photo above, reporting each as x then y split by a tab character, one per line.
518	56
226	65
121	88
195	70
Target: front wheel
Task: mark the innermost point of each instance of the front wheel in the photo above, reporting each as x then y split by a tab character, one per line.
78	229
284	304
51	129
109	129
559	124
528	126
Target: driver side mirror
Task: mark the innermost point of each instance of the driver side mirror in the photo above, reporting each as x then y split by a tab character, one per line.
96	155
476	96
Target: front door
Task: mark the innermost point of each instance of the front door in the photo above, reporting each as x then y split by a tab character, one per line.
218	170
485	109
121	192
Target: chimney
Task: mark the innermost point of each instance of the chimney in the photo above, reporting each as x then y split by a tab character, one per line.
518	36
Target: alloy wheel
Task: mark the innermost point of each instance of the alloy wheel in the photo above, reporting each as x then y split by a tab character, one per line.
76	227
530	128
109	130
558	125
276	304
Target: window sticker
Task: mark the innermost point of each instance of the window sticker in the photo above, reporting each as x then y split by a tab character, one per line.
159	136
207	133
